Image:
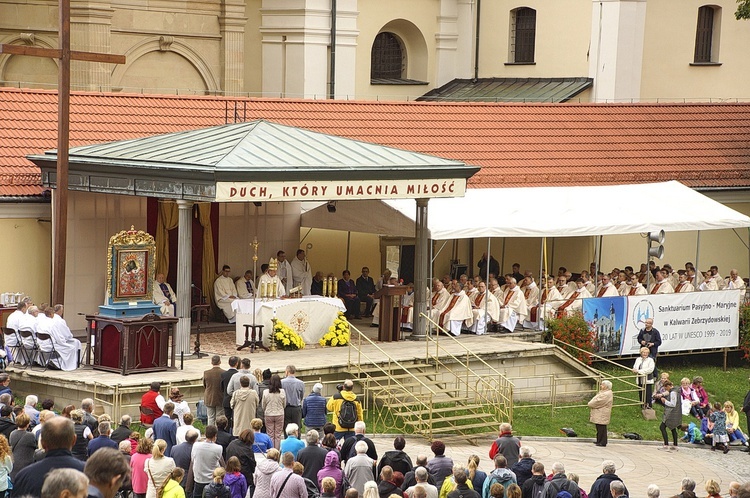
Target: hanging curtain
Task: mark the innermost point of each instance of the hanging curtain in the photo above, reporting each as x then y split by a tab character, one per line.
208	271
166	220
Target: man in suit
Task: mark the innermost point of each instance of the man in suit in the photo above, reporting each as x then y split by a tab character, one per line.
213	396
58	437
165	428
366	291
226	376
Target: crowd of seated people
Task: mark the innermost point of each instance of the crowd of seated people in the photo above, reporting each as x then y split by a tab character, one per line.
39	334
502	303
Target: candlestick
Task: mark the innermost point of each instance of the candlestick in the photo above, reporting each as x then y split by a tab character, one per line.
262	290
335	288
325	286
275	294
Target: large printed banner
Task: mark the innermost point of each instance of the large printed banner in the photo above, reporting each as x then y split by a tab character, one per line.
339	190
691	320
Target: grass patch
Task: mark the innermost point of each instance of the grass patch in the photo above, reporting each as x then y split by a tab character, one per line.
721	386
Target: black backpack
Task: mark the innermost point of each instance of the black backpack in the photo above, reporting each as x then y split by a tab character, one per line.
537	489
347	414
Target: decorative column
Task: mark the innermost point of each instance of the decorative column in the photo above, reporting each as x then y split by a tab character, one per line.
421	271
184	275
90	31
232	25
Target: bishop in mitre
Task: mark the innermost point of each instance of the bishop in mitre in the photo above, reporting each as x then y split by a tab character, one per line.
269	280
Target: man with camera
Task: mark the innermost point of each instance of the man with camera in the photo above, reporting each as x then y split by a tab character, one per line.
346	409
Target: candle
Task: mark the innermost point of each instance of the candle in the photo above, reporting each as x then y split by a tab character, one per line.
325	286
274	294
263	290
335	287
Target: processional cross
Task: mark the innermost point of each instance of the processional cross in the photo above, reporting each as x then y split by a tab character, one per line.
60	204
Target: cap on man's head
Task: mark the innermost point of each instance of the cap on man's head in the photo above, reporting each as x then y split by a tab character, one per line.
318	387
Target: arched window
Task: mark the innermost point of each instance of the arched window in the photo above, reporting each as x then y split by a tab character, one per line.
707	35
387	58
523	35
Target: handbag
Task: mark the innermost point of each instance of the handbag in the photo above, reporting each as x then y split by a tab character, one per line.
686	406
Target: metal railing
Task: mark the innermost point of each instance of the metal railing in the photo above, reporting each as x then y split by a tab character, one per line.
623	386
492	389
383	392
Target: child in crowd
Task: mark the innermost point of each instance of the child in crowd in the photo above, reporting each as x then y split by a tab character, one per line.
707	429
234	479
719	419
692	432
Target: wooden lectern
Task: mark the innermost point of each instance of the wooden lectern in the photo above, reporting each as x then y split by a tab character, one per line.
390	312
133	344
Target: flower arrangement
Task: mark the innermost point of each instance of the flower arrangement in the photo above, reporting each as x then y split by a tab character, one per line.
338	334
575	331
286	338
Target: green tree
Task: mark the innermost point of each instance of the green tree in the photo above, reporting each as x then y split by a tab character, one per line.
743	9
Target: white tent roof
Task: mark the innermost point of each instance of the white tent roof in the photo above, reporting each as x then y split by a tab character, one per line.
540	212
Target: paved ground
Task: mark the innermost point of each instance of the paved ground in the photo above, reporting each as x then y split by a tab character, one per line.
639	464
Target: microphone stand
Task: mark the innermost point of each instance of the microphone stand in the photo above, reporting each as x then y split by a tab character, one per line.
197	350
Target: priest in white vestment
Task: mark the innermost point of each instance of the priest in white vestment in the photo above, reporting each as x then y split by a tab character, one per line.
14	322
164	296
440	298
717	278
662	285
587	282
495	288
225	292
683	284
244	286
457	312
407	307
736	282
563	288
301	273
530	291
270	280
485	308
65	344
470	290
549	299
512	306
574	302
635	288
284	271
606	289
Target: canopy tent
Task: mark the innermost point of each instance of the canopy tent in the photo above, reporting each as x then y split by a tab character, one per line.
541	212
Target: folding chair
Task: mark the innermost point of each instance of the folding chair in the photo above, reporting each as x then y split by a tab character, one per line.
29	353
14	350
47	357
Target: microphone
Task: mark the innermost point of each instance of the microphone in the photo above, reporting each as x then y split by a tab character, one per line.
200	291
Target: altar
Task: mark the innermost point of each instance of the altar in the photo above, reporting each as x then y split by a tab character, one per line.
309	316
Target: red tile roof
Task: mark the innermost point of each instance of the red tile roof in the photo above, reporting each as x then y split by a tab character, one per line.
702	145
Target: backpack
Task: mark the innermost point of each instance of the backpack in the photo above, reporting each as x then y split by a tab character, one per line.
537	489
347	414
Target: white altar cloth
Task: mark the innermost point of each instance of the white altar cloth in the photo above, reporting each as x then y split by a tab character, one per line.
309	316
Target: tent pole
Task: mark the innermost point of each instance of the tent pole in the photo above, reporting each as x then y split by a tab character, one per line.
542	280
435	255
486	287
502	261
348	245
697	254
597	259
421	271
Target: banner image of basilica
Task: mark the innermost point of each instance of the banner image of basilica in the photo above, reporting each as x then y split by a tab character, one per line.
606	318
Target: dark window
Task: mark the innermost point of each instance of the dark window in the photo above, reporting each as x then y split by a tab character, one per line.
525	34
387	59
704	34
